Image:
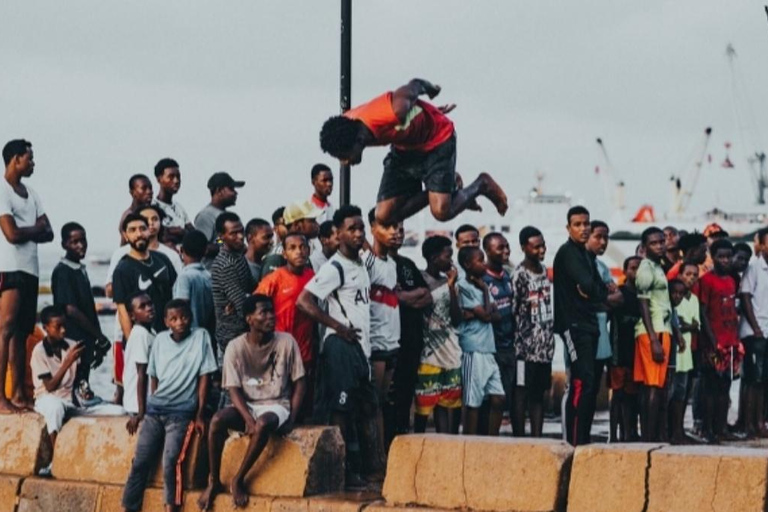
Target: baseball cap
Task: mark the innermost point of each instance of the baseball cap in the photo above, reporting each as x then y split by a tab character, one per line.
300	210
223	179
714	229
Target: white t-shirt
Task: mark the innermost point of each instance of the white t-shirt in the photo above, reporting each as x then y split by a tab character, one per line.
175	215
136	352
348	301
385	311
755	282
19	257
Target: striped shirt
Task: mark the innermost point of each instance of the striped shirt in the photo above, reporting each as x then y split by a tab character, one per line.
232	283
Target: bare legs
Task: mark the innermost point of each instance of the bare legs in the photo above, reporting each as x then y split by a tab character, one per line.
9	309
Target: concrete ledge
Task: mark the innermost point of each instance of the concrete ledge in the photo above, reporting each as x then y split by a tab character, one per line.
24	444
310	460
686	478
9	492
454	472
616	473
108	449
382	507
46	495
111	496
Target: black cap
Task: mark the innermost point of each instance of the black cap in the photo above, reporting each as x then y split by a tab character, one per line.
221	180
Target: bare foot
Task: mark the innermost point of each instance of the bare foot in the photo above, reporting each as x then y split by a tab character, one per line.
239	496
493	192
7	407
205	501
23	404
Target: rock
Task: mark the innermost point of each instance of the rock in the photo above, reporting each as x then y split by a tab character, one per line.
106	445
24	444
46	495
725	479
310	460
9	491
609	477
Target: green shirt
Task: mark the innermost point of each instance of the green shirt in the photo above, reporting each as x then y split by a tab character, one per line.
651	284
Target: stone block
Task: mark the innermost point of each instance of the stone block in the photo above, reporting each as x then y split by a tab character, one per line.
725	479
106	445
46	495
452	472
342	502
223	503
24	444
111	496
310	460
382	507
609	477
9	492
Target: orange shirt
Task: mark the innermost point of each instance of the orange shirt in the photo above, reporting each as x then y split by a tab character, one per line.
284	287
424	129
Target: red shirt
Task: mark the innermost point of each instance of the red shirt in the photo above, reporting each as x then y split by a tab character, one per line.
424	129
717	295
284	287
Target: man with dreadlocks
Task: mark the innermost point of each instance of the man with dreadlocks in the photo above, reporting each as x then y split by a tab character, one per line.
423	150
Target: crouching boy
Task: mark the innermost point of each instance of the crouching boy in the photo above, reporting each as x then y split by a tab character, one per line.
180	363
265	377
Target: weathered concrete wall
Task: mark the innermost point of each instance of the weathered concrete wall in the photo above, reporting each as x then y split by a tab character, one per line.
46	495
452	472
9	491
24	444
310	460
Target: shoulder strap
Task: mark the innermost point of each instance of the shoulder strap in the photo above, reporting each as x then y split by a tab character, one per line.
340	269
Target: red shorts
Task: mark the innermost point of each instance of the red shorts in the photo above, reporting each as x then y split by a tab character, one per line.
117	352
648	371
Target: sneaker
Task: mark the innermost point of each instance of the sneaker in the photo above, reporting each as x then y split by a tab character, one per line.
45	472
84	396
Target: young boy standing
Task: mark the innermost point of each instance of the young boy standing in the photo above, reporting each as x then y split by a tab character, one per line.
72	292
532	306
175	219
258	238
481	375
180	364
137	350
723	352
266	381
688	317
195	283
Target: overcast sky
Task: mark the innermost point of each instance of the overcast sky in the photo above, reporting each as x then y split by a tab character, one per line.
105	89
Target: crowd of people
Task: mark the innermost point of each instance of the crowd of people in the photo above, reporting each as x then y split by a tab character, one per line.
261	325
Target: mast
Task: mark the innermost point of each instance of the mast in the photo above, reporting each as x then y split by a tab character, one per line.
345	78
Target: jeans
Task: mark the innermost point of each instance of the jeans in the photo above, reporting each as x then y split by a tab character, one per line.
580	351
172	435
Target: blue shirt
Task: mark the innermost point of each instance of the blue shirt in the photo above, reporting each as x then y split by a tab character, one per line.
604	341
474	335
177	366
500	288
194	285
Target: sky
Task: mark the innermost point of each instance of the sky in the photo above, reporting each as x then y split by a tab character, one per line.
105	89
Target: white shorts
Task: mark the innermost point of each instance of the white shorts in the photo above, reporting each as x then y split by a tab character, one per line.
278	410
480	378
56	410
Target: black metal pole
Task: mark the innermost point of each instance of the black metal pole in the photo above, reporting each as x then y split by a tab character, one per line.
346	89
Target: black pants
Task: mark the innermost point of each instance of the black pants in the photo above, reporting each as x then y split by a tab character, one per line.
580	349
404	383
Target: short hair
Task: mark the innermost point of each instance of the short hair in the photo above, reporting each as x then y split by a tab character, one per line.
691	241
527	233
596	224
372	216
338	135
464	228
761	234
687	264
326	229
434	245
465	253
289	235
576	210
50	312
676	282
135	295
630	260
194	244
344	213
182	304
223	218
137	177
255	225
68	228
672	229
720	243
164	164
277	215
648	232
15	147
160	213
251	301
132	217
743	247
317	169
490	236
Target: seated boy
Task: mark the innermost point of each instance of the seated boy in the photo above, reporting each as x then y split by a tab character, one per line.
180	365
265	377
478	363
54	372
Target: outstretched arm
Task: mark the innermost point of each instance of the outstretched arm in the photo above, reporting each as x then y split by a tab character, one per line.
405	97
